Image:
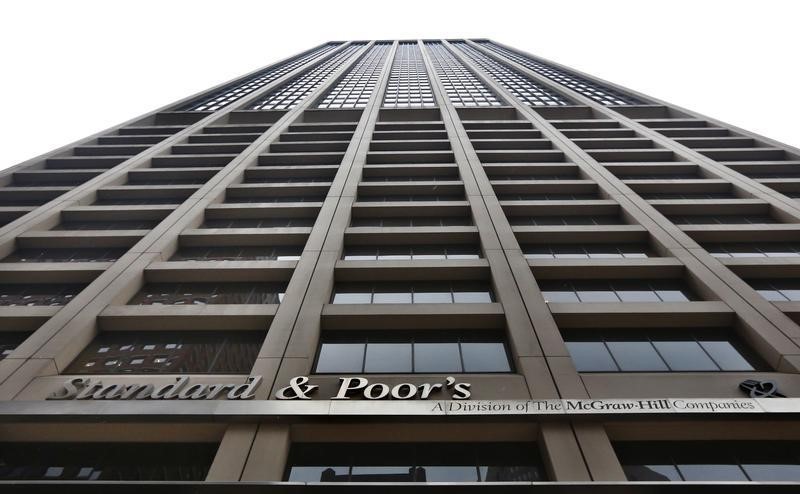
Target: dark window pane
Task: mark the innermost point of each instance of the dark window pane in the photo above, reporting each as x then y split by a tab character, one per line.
632	356
685	356
772	472
388	357
341	357
484	357
726	355
436	357
652	473
714	472
106	461
591	356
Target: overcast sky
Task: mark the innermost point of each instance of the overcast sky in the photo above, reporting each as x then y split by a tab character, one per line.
72	68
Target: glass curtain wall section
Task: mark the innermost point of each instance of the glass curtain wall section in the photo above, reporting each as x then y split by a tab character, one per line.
355	88
461	85
525	89
293	92
239	89
409	85
591	89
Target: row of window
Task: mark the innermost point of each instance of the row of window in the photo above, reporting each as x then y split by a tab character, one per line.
427	352
408	462
309	222
209	293
615	291
408	352
409	252
658	351
458	292
394	253
651	461
165	352
295	222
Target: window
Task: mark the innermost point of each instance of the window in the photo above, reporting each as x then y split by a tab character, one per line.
730	219
298	222
114	201
676	461
524	88
293	92
414	462
423	292
591	251
429	352
106	461
239	89
402	221
565	220
169	352
409	85
653	350
65	255
106	225
552	196
463	88
780	290
776	249
411	252
28	294
355	88
10	340
688	195
412	197
615	291
234	253
209	293
272	199
589	88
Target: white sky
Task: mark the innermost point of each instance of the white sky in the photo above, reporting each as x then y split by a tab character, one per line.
72	68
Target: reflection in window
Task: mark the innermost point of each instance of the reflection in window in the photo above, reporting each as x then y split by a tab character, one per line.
410	252
243	253
297	222
106	461
458	292
401	221
590	251
678	350
730	219
209	293
446	352
776	249
616	291
758	461
28	294
565	220
165	352
106	225
413	462
10	340
778	290
65	255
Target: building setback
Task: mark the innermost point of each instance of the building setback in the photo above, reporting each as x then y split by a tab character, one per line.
403	262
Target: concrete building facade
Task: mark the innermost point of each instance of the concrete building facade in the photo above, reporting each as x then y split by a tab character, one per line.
401	265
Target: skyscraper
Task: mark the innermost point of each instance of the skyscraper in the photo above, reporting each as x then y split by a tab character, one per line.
400	262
